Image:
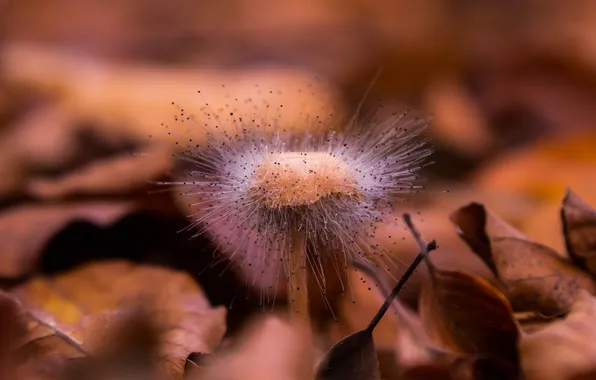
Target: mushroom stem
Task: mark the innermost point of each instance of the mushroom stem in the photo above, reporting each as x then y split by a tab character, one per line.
298	282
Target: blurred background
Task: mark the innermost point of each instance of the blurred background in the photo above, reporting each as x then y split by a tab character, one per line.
509	86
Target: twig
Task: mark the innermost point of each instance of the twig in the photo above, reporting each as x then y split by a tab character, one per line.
425	249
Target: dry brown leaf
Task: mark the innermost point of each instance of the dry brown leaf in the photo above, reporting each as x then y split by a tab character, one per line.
467	315
70	313
579	228
564	349
24	230
536	278
268	349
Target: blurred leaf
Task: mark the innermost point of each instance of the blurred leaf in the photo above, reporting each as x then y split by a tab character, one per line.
536	278
12	332
565	349
112	175
129	351
40	139
466	314
457	121
544	169
130	101
269	348
579	227
71	313
24	230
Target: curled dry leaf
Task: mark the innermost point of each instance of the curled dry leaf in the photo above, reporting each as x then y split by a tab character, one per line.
565	349
579	227
535	277
25	229
268	349
69	314
467	315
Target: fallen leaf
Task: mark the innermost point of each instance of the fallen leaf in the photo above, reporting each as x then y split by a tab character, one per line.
579	228
268	349
25	229
535	277
71	313
564	349
467	315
